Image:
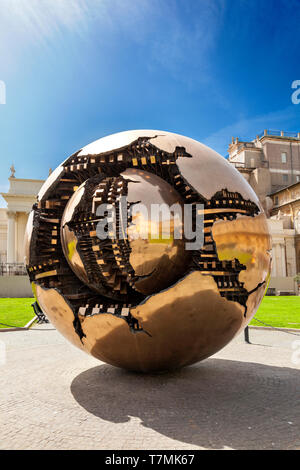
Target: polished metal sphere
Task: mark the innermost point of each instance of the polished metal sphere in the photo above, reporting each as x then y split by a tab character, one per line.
148	264
129	284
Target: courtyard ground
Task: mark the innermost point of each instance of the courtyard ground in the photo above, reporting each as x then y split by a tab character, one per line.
54	396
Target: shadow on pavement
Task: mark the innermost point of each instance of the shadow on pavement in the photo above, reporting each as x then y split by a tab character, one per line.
214	404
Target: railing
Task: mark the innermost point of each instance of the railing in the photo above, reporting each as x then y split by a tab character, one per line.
294	135
238	164
250	145
243	145
261	164
275	133
12	269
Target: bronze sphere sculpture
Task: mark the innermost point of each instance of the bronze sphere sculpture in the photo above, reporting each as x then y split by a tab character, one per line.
165	299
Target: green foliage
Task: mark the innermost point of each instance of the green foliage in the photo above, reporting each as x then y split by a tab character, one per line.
297	278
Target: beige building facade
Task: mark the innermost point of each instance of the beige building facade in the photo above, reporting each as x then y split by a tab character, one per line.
271	165
19	199
271	160
286	208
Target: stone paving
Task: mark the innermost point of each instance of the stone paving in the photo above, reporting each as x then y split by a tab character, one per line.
53	396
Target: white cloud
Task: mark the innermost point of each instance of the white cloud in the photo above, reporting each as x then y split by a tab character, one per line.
42	16
47	18
177	38
248	128
185	44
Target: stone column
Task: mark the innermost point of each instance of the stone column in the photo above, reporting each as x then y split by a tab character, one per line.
274	261
11	237
278	262
279	254
282	249
291	256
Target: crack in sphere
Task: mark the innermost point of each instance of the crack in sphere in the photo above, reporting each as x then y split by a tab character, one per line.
147	303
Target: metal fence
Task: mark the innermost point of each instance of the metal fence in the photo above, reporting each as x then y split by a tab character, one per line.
295	135
260	164
12	269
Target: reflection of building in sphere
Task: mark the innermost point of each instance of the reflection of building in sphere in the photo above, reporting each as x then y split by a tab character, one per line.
147	303
297	222
142	260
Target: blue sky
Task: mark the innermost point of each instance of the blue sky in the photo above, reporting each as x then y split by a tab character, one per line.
76	70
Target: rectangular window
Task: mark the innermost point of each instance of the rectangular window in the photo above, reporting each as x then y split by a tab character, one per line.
298	178
285	178
283	157
276	200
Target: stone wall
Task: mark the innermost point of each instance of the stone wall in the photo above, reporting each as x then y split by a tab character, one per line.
15	286
286	284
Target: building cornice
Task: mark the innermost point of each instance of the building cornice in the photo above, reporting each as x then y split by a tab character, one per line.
25	179
279	139
22	196
285	188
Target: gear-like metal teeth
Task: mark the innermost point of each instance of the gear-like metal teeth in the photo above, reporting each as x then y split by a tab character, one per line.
111	264
224	205
117	310
104	259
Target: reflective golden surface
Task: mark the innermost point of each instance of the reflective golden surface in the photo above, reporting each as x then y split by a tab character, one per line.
167	341
156	255
246	239
69	240
59	312
147	304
